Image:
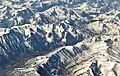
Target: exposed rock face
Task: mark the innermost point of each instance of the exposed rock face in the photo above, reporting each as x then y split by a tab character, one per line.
43	32
96	59
85	35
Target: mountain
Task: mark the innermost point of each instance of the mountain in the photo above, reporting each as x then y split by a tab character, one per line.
59	38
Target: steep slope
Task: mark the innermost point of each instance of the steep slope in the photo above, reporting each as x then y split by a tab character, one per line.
27	38
99	58
85	34
27	33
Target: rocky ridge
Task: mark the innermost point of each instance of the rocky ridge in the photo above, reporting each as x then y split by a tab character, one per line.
86	35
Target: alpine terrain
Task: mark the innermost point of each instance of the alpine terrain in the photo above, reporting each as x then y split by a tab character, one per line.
59	37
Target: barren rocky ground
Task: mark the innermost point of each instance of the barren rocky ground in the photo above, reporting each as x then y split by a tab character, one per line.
60	38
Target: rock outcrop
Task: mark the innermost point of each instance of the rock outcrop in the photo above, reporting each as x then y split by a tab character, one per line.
60	38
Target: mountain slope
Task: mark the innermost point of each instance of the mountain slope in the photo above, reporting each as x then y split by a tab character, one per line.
85	34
